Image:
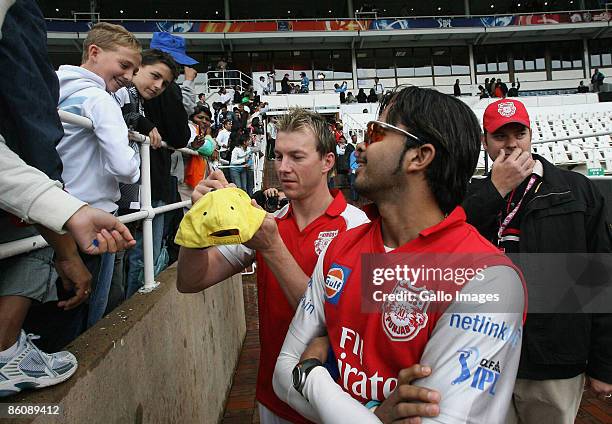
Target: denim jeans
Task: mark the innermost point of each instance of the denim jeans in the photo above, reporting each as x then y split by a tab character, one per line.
135	256
29	90
99	296
239	177
116	294
250	178
354	194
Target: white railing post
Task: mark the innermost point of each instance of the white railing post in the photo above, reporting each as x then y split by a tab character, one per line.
147	224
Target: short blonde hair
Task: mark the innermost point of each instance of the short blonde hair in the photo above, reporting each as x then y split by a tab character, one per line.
109	36
302	120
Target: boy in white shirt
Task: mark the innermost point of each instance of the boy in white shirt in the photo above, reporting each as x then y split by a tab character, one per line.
96	161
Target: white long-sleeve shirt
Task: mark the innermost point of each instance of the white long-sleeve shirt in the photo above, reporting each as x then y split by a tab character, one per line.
95	162
240	155
30	195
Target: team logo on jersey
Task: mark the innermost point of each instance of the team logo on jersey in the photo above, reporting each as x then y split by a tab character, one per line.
325	237
334	282
506	109
402	320
486	375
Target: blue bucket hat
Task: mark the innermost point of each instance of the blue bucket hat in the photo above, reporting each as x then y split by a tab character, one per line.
173	45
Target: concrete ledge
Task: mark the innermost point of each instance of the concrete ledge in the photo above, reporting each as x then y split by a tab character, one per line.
162	357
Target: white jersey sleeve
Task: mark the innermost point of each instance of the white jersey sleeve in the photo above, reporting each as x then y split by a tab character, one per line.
238	255
323	400
474	351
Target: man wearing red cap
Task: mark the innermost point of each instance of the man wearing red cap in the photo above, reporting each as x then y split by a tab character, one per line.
527	205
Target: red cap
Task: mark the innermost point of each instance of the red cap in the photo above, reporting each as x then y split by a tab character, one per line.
503	112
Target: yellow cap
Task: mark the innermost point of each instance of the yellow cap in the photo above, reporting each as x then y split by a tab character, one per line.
223	216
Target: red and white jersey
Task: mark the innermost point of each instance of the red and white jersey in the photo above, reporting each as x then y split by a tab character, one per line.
472	348
275	312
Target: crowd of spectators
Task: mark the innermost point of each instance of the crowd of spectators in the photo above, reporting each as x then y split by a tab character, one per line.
60	291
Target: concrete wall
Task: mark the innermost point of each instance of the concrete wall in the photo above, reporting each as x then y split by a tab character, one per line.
162	357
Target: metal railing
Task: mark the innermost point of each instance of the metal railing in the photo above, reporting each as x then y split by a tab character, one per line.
146	213
228	78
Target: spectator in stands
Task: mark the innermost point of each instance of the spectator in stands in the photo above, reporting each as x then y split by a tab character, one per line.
243	116
176	45
456	89
96	161
373	97
492	87
305	156
521	206
514	90
365	111
222	74
350	98
341	88
379	89
362	97
487	86
195	165
482	92
501	89
285	88
248	95
237	95
202	100
304	83
582	88
597	80
225	97
168	113
270	83
240	156
353	165
262	89
157	71
344	151
223	137
271	135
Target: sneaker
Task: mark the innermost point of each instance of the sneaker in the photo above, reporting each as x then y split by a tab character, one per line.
31	368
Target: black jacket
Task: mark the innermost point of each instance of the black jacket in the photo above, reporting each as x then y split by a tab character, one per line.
168	114
285	89
566	214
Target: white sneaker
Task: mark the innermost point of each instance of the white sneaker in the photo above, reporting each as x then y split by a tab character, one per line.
31	368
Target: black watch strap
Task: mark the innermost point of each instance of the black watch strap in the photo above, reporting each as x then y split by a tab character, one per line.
301	371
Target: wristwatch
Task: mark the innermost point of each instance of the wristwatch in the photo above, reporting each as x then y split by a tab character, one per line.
301	371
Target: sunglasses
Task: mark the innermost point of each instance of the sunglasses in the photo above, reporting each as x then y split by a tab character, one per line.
376	131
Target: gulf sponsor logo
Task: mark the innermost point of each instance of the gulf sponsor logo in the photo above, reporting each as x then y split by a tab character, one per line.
334	282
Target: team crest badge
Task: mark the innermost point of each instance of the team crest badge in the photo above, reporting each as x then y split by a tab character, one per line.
325	237
335	281
506	109
402	320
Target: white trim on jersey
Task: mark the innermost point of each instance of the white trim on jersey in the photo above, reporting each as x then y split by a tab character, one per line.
354	217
